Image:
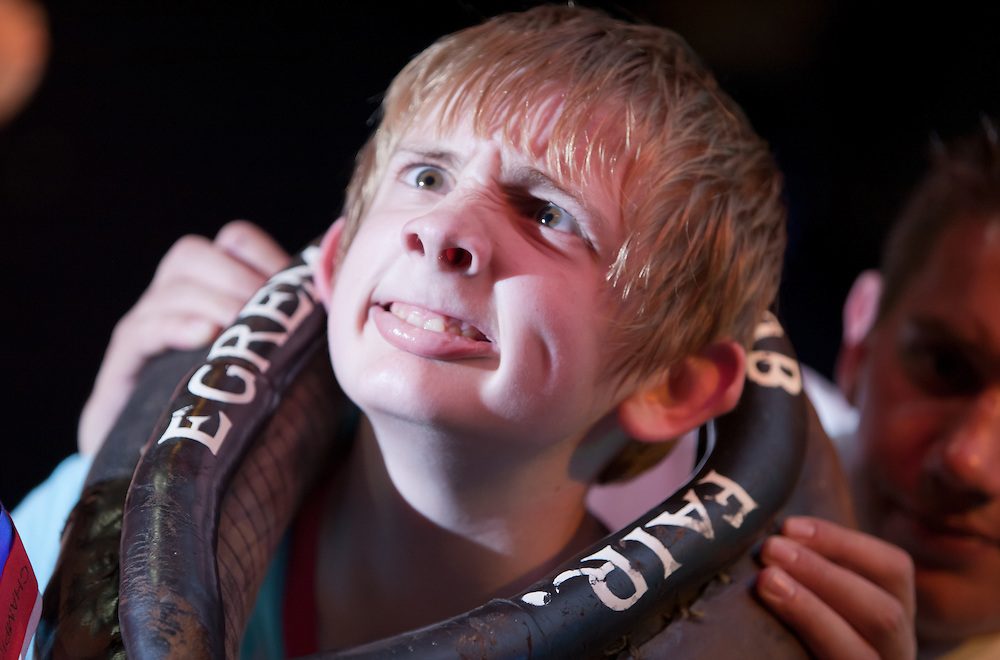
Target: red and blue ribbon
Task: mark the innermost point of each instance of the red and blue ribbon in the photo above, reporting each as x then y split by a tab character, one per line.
20	602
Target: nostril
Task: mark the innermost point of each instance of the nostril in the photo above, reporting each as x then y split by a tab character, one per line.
456	257
414	243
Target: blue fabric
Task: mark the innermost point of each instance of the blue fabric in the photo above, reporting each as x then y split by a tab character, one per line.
41	516
6	537
40	519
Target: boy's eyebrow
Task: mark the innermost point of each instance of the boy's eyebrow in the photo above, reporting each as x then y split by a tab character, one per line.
537	178
447	158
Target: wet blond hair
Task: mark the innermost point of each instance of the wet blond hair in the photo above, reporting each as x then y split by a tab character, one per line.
700	192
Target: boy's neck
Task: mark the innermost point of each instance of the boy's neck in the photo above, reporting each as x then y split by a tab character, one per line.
482	488
419	550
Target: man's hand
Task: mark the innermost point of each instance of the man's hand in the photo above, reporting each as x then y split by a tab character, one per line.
845	593
199	287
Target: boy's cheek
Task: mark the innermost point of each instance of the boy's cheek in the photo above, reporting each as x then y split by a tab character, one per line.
331	255
327	299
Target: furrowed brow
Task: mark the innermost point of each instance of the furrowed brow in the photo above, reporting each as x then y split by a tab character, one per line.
416	152
535	178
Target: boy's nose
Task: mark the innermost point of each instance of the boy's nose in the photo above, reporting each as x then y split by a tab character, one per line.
452	240
970	455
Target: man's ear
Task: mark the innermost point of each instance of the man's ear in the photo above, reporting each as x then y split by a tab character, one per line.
326	267
860	310
695	390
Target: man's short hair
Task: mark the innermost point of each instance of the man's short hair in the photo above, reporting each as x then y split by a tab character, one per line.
700	193
962	184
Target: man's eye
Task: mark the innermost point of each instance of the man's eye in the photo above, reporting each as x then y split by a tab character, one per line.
426	177
940	370
558	218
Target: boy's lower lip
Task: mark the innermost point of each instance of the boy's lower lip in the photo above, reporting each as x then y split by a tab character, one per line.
426	343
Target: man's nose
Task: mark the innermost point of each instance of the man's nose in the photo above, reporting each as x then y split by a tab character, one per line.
451	237
970	455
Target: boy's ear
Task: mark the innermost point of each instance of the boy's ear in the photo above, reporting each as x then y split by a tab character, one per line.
696	389
325	268
859	317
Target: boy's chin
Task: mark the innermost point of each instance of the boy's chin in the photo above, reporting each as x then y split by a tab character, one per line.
467	423
412	408
467	398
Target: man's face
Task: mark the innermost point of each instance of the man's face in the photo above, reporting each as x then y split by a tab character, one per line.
473	297
929	393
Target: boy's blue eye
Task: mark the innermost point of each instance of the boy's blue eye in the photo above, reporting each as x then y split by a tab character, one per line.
556	217
429	178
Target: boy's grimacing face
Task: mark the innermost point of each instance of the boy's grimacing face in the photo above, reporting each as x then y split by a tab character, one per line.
473	297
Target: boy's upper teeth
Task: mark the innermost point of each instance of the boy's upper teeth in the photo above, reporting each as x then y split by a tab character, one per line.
428	320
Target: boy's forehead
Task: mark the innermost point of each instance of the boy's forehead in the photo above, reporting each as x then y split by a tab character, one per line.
456	125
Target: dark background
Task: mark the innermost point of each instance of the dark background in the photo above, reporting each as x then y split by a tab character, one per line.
159	119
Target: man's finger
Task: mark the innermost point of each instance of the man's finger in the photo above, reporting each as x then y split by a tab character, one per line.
874	613
883	563
825	633
196	258
253	246
190	298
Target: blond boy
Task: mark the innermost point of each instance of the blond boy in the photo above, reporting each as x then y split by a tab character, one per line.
560	225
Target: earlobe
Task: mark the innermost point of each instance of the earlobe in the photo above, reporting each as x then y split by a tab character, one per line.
326	266
860	310
695	390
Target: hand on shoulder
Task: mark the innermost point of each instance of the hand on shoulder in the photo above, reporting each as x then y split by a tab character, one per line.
846	594
199	287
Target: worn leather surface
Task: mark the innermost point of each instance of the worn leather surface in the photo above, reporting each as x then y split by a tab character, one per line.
727	620
80	604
